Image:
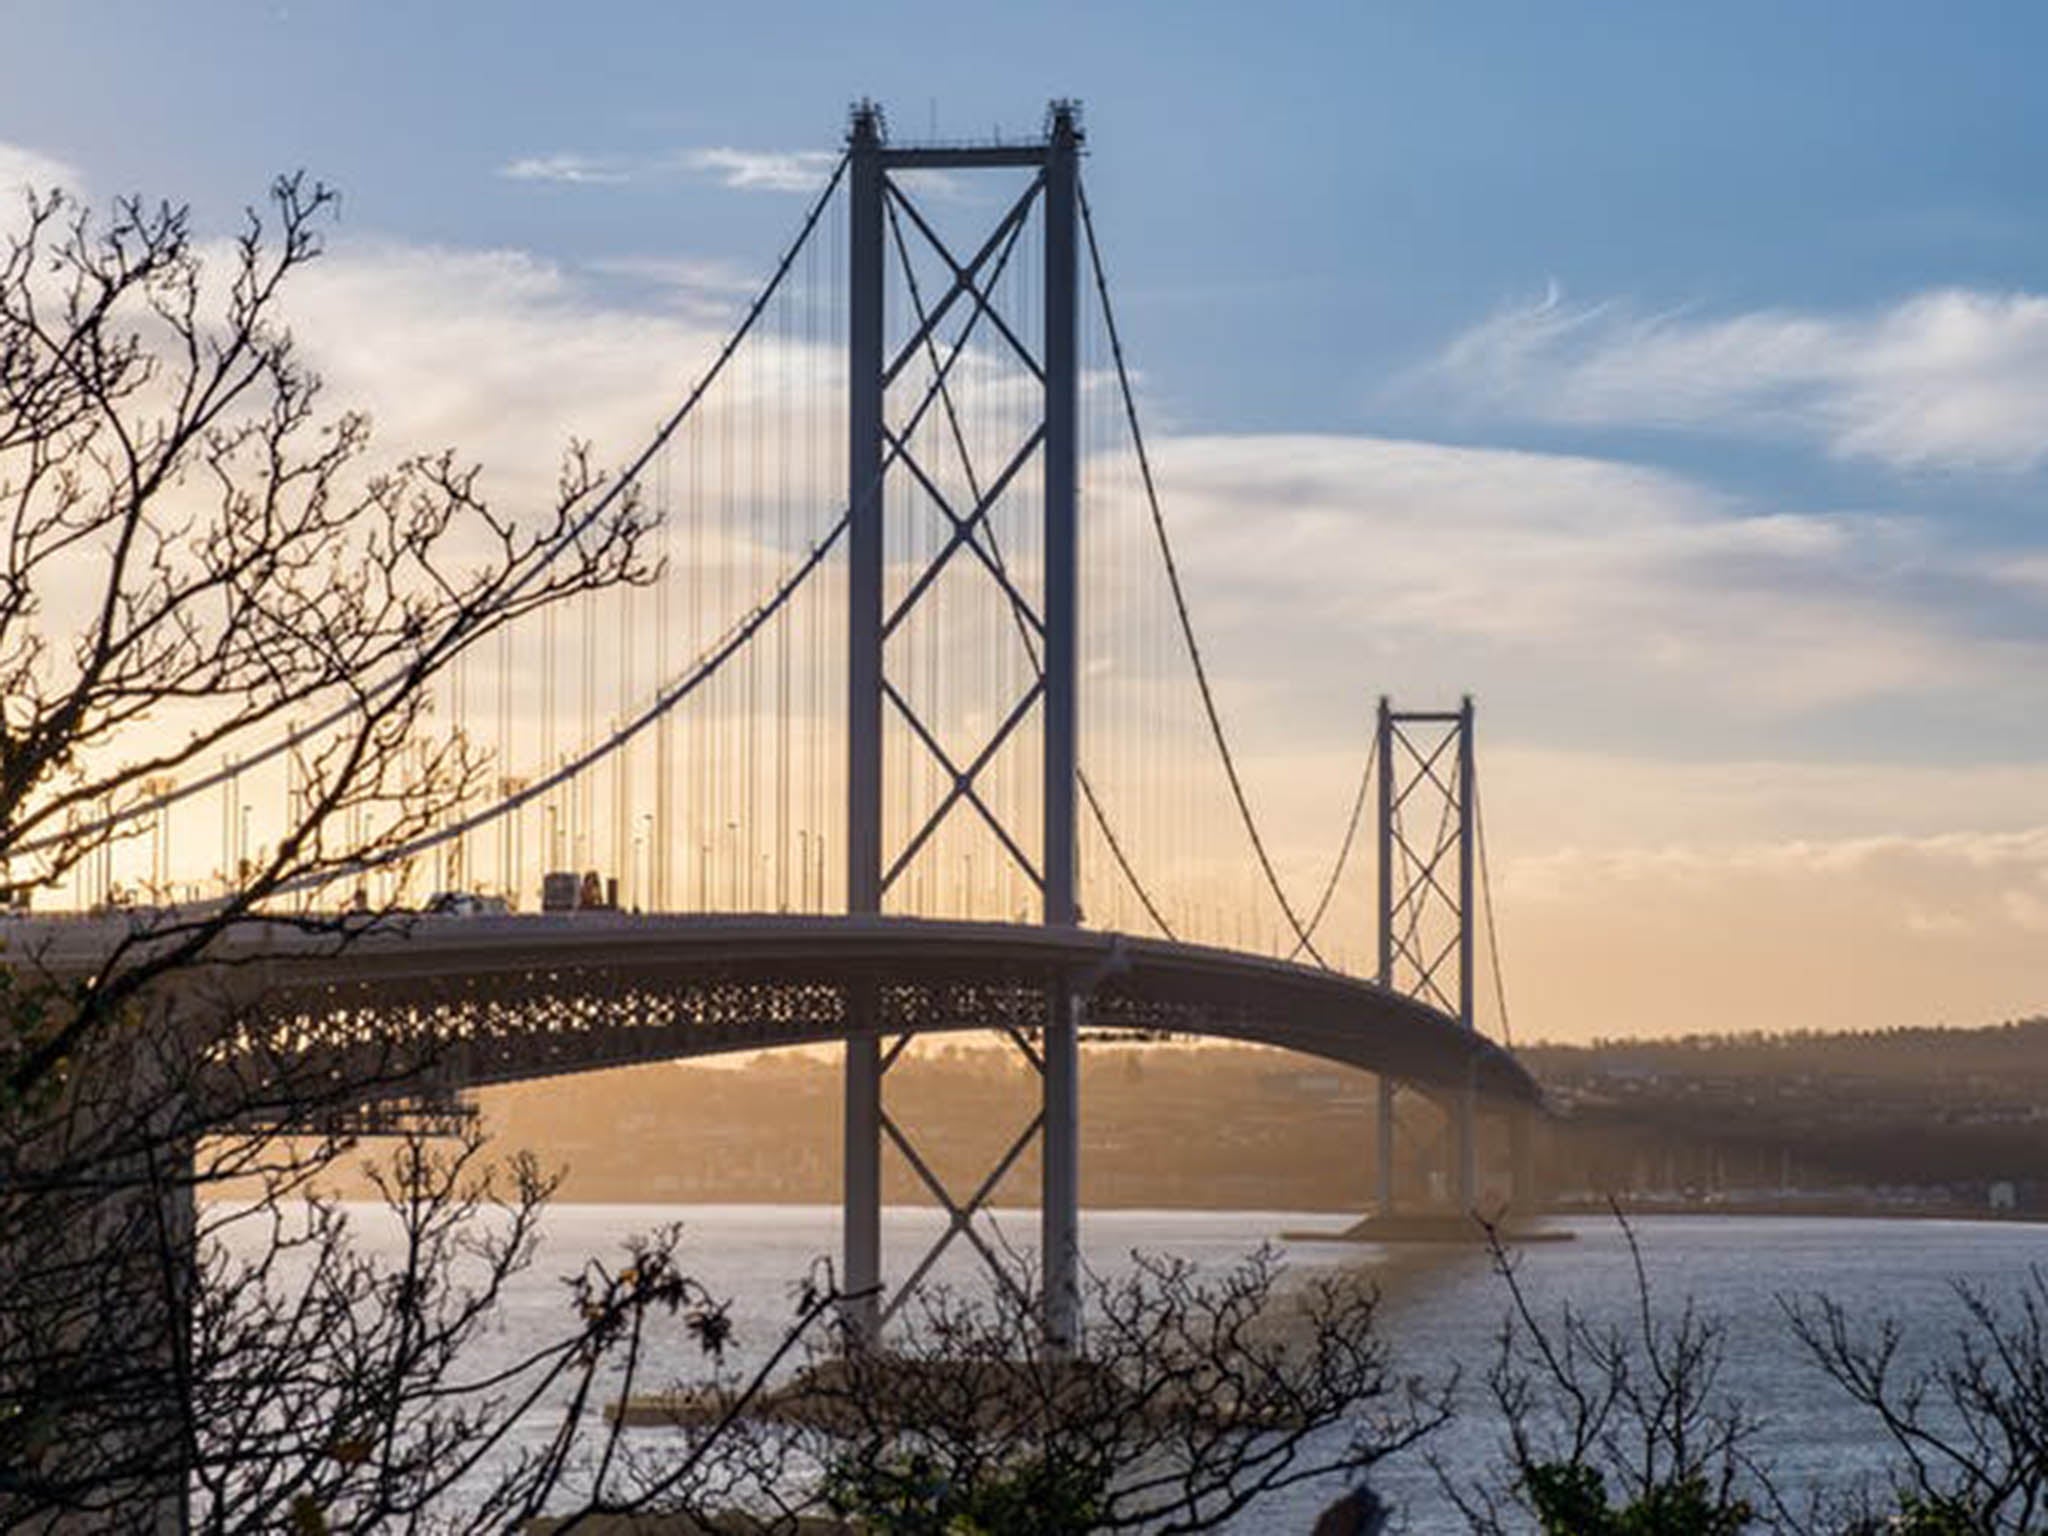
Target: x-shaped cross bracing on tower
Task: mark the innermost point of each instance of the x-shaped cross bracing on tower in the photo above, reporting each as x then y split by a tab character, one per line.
882	456
1428	815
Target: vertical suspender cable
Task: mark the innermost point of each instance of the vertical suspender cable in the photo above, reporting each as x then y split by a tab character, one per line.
1500	989
1209	709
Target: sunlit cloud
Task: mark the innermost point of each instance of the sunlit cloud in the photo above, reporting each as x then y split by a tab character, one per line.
1323	569
1949	378
499	353
1870	932
1534	572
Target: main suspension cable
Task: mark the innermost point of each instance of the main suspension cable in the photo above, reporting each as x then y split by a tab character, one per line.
537	561
986	533
1302	934
1500	987
708	666
1315	918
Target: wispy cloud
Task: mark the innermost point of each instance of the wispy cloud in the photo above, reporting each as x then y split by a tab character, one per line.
745	170
681	272
574	169
706	292
1949	378
1644	588
755	170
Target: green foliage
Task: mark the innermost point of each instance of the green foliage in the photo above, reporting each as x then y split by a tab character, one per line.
908	1495
34	1012
1570	1499
1933	1514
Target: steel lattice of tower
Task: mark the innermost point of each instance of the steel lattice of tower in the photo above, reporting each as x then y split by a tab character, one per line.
882	458
1427	822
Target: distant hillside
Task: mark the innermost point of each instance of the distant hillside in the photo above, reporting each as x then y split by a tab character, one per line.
1900	1109
1929	1114
1162	1125
1999	1059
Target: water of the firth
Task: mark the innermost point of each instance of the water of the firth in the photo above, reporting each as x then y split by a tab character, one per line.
1440	1312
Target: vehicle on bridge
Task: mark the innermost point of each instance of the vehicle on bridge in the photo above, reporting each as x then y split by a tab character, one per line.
466	904
563	890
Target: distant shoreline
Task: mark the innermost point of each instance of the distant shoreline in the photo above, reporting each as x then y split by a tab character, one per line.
1830	1209
1823	1209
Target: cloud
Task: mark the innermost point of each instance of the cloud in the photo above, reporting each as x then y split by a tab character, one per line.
1953	378
500	353
1579	597
754	170
1867	932
707	293
25	170
682	273
576	170
1550	575
746	170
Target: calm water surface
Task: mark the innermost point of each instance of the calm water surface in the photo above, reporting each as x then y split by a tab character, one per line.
1441	1305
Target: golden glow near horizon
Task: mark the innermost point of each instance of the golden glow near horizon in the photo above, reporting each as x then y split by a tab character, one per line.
1745	577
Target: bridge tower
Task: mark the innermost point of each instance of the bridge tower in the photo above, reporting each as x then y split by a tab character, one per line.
883	469
1427	828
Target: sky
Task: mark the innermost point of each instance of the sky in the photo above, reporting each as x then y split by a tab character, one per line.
1672	378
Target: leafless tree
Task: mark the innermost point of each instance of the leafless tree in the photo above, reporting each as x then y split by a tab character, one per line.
198	563
196	559
1969	1425
192	1332
1611	1428
1191	1397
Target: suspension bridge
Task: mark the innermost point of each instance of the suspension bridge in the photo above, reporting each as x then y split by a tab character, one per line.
913	732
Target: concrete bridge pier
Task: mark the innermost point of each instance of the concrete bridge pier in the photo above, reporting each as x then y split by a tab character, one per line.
1524	1187
1456	1153
1383	1171
1060	1164
1460	1138
1463	1110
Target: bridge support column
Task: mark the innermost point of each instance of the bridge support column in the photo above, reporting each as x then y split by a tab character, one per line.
1464	1110
1522	1179
1383	1188
1061	1147
1428	838
872	450
861	1196
1060	1204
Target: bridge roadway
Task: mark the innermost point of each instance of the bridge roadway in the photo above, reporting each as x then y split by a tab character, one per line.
482	1000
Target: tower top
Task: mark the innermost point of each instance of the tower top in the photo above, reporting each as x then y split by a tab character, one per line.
865	123
867	126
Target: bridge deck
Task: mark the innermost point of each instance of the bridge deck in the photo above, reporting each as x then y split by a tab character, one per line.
503	999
